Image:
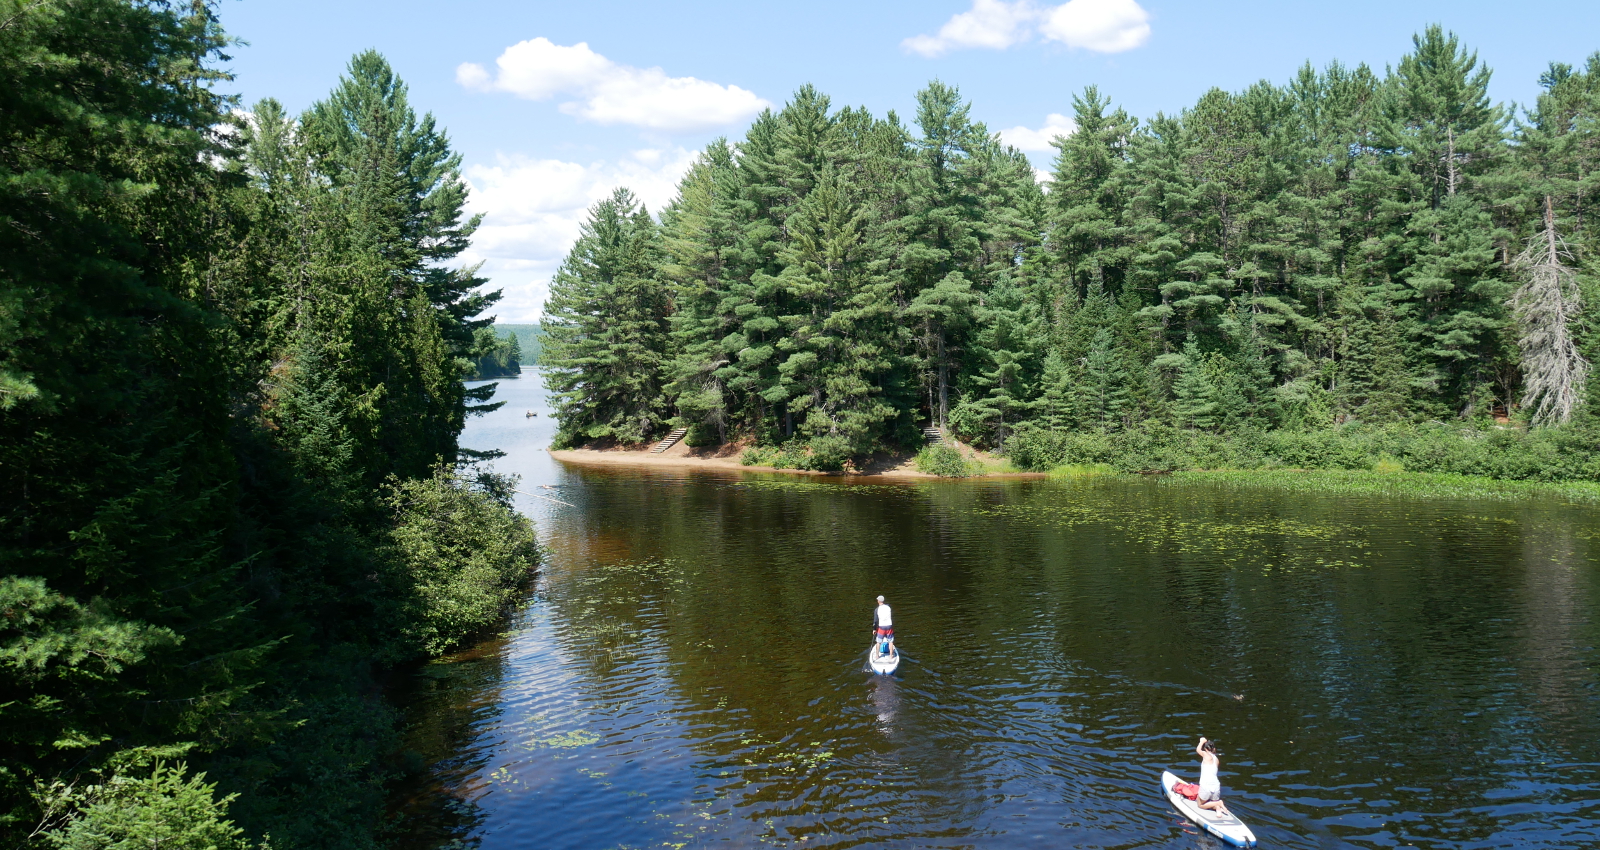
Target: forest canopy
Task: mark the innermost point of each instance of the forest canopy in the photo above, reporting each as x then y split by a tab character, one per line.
232	345
1346	250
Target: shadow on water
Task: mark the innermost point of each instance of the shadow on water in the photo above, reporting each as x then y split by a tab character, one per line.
688	673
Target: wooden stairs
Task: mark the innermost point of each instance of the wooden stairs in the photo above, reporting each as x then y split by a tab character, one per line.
669	441
933	436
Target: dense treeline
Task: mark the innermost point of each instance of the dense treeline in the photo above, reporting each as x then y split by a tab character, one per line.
231	355
497	356
1351	250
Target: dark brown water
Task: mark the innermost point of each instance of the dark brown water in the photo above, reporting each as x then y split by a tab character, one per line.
1377	672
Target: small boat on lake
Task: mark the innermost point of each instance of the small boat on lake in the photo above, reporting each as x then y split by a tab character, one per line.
883	657
1224	826
532	414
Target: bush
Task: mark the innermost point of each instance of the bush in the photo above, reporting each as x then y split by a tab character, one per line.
1547	454
944	461
458	557
700	434
786	456
829	453
161	810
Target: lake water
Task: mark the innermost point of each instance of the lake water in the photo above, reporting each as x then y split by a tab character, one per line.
688	670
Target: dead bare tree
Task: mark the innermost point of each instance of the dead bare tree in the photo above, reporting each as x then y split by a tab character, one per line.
1546	305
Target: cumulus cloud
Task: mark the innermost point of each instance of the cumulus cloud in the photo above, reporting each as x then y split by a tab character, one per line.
607	92
1104	26
534	207
1026	139
994	24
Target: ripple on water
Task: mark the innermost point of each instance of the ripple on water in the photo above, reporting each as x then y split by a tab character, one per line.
689	672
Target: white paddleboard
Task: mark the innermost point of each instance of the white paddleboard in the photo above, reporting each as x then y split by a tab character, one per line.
1226	827
882	663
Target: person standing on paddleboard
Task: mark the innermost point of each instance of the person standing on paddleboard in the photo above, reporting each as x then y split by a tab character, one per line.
1210	796
883	623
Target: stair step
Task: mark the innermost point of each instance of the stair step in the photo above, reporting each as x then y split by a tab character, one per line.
670	440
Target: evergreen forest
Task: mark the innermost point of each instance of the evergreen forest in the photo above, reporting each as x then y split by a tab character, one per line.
232	498
1350	267
496	356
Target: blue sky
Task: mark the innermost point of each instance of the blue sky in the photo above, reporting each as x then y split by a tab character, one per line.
547	127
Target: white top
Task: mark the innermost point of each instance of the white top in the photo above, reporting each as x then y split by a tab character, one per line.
884	620
1208	776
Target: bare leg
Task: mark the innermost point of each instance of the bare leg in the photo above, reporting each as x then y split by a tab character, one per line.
1215	806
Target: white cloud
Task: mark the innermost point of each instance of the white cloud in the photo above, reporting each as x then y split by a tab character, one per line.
1023	138
534	207
606	92
994	24
1104	26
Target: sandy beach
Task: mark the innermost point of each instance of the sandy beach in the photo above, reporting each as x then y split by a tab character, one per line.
726	457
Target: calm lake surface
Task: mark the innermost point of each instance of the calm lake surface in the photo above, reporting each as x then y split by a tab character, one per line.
688	670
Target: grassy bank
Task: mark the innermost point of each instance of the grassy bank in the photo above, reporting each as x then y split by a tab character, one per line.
1413	485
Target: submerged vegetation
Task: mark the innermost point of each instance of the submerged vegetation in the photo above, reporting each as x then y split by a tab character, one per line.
1347	267
229	516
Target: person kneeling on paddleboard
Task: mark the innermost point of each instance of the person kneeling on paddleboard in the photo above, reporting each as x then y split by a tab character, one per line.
1210	796
883	624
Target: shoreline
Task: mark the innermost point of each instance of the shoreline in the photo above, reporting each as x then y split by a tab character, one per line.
1407	484
1331	482
726	458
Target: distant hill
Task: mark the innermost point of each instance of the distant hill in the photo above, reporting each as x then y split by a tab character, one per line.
528	338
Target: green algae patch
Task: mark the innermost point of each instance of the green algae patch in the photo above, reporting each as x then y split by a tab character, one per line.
1390	481
565	740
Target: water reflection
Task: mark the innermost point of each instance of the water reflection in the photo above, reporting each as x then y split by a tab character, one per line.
885	697
1378	672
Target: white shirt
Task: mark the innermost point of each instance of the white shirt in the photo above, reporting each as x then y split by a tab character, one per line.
1208	776
884	621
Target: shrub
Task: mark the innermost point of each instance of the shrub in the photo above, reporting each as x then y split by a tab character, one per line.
1546	454
700	434
828	453
1388	465
161	810
457	556
786	456
944	461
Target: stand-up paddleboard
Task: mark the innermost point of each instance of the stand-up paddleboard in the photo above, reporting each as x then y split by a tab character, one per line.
1226	827
882	663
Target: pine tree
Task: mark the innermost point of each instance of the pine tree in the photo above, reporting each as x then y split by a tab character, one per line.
1195	392
606	328
1086	193
1439	112
942	238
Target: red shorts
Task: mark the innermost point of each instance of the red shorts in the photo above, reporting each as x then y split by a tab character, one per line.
886	632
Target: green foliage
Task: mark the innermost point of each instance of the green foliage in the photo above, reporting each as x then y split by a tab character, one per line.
459	557
945	462
1545	455
530	340
605	328
1082	470
494	356
163	809
1328	252
198	556
822	454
